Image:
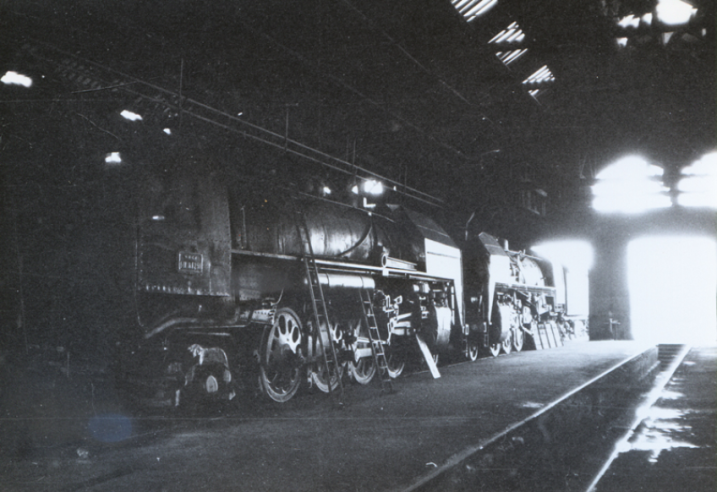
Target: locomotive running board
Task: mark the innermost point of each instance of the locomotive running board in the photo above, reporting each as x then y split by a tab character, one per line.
428	356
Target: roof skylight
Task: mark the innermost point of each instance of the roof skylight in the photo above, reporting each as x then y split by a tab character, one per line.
472	9
512	34
541	75
509	57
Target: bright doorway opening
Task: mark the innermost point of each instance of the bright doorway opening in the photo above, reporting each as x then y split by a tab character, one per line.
672	283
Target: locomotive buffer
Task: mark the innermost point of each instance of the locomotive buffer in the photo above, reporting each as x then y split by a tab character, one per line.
322	331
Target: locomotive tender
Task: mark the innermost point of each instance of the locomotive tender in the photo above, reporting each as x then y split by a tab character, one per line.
223	297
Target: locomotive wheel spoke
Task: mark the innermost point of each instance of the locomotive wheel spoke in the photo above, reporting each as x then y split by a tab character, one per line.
279	373
317	370
320	380
364	369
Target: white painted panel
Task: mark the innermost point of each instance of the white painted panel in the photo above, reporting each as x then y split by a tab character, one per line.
445	261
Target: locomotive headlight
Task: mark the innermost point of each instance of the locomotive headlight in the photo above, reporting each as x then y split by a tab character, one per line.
372	187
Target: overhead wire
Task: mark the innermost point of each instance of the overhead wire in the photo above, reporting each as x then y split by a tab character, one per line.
301	149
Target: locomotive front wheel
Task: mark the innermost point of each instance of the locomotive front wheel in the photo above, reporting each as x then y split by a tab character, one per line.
518	339
280	360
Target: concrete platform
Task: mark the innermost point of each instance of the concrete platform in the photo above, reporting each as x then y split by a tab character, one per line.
483	417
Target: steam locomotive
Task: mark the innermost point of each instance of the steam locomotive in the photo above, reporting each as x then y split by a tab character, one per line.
515	299
221	288
224	296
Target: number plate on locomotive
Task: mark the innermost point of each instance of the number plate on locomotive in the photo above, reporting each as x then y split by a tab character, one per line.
190	262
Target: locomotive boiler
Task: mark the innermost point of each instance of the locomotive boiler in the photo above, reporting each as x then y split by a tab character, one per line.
223	297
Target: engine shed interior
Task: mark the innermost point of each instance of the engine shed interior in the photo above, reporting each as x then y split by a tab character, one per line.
209	200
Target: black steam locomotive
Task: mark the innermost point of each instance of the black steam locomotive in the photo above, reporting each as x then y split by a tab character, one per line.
225	278
222	291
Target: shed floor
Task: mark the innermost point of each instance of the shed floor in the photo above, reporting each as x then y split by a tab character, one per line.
374	442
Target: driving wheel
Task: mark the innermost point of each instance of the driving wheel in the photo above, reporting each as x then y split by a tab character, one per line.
280	356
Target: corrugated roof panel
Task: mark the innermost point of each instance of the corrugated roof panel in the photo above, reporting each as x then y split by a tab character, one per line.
512	34
541	75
